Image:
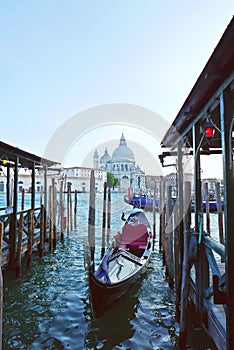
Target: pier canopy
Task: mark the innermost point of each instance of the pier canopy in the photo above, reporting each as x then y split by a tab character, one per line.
202	105
205	125
9	154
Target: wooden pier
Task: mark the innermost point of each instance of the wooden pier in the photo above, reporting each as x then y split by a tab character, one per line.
200	268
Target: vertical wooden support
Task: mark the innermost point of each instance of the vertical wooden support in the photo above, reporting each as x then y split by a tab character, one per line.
61	206
1	237
104	221
220	212
154	215
169	237
50	217
54	236
22	199
19	243
207	198
8	186
108	214
91	219
186	267
202	267
1	305
30	236
42	233
70	203
33	187
45	200
162	213
68	207
13	226
75	210
227	121
178	231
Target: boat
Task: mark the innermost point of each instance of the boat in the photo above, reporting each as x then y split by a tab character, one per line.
212	205
123	263
142	201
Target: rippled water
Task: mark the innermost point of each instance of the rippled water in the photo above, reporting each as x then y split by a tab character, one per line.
48	307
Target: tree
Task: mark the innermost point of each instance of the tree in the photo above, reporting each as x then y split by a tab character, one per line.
111	179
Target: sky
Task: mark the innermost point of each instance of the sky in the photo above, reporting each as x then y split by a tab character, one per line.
66	64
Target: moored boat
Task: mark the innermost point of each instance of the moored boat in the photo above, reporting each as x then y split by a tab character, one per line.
123	263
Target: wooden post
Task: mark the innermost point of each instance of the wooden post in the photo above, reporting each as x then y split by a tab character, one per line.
1	237
42	232
162	213
220	212
207	207
108	214
91	219
22	200
154	216
70	202
50	218
61	206
186	267
54	213
169	238
68	208
30	236
13	225
1	305
104	221
18	253
75	210
226	122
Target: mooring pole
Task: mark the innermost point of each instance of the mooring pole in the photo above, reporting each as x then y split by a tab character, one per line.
154	216
185	267
104	221
91	220
108	214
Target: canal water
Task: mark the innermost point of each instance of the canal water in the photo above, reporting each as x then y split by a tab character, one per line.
49	308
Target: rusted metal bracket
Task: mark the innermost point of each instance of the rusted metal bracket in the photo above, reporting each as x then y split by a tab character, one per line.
219	295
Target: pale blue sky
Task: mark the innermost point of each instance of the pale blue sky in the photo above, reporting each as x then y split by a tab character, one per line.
60	57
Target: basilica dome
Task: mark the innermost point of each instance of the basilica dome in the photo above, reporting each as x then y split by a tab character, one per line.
123	153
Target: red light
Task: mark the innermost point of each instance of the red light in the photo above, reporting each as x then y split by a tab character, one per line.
209	132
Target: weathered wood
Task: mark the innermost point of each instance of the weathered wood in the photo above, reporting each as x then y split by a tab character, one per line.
1	237
162	214
22	199
61	211
226	119
186	267
207	198
168	243
19	243
154	214
54	229
75	210
1	306
91	219
104	221
68	207
108	215
220	212
50	218
30	236
42	232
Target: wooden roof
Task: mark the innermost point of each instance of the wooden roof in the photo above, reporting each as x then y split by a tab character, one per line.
216	75
10	153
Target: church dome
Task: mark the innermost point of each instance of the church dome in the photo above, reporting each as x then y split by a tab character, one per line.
105	158
123	153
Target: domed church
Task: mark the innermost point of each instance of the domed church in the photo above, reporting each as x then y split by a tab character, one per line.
123	165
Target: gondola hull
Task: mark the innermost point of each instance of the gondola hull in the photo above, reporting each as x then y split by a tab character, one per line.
123	264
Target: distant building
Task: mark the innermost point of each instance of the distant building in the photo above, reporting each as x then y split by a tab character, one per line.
123	166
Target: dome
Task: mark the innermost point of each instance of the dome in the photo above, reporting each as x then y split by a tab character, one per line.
105	158
123	153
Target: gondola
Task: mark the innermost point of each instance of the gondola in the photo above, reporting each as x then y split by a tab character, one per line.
123	263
